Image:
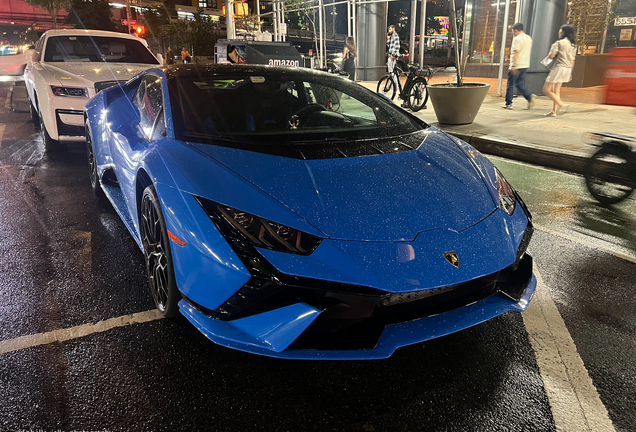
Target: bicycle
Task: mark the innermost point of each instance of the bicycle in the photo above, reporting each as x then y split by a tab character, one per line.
610	174
414	93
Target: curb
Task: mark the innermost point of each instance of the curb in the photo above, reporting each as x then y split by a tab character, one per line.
564	160
20	99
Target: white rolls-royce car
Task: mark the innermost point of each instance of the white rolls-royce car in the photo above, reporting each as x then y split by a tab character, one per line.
68	67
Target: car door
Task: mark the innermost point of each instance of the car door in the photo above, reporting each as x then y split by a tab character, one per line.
128	148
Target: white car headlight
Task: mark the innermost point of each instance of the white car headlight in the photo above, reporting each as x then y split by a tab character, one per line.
69	91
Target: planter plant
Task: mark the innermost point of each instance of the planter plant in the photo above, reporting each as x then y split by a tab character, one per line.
459	102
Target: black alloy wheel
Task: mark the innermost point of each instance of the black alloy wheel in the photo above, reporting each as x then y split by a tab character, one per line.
92	163
387	87
609	175
156	246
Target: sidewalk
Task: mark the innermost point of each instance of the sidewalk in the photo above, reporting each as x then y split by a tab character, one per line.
528	135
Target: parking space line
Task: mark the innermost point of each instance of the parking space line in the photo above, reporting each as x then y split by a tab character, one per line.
66	334
589	244
574	401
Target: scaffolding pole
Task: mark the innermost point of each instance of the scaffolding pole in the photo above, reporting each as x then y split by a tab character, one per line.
502	55
422	33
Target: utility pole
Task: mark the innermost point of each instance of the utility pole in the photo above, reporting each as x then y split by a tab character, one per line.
422	33
321	18
413	18
229	19
128	15
275	20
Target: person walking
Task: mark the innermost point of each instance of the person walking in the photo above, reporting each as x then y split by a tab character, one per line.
169	56
349	54
519	64
563	51
185	56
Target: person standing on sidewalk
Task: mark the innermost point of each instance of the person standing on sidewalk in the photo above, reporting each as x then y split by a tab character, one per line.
519	64
564	53
169	56
393	44
349	54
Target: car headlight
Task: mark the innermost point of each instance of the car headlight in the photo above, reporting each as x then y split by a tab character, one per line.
238	225
507	200
69	91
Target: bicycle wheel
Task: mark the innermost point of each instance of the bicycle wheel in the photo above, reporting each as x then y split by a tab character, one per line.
418	95
608	176
386	87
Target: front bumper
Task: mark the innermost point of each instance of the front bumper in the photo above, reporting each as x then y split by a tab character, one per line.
291	331
303	315
285	316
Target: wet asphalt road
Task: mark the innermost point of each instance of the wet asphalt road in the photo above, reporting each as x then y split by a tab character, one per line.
66	260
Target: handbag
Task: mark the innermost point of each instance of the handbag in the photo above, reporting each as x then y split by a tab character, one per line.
549	62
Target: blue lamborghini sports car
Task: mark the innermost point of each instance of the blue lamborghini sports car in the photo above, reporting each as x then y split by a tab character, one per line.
295	214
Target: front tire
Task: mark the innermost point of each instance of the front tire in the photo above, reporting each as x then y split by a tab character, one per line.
156	246
92	163
50	144
609	175
386	86
418	95
35	117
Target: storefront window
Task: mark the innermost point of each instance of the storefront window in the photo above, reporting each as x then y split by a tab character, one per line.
486	19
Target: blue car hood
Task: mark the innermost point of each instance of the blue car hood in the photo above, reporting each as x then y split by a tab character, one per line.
385	197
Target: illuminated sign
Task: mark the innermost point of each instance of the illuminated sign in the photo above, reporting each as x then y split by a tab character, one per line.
444	22
625	21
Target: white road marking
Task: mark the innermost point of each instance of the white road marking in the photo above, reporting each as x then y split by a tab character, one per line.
586	243
7	102
62	335
575	403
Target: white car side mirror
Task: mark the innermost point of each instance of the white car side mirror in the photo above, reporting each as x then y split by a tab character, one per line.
160	58
31	56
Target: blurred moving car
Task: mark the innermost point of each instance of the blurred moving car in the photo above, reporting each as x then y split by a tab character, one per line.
12	61
68	67
285	220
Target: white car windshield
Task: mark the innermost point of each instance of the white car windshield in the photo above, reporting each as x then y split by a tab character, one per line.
96	49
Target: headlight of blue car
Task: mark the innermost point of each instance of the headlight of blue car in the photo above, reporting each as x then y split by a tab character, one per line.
507	200
263	233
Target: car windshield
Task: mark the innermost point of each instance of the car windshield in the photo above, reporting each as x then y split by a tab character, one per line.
275	107
96	49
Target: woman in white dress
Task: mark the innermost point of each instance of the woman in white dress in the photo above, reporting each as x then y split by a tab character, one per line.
564	50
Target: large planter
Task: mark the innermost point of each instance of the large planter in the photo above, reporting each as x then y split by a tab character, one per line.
457	105
588	70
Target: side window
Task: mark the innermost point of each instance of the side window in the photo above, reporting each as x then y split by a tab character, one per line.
149	100
38	47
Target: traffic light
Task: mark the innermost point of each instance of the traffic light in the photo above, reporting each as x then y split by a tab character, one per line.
137	30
